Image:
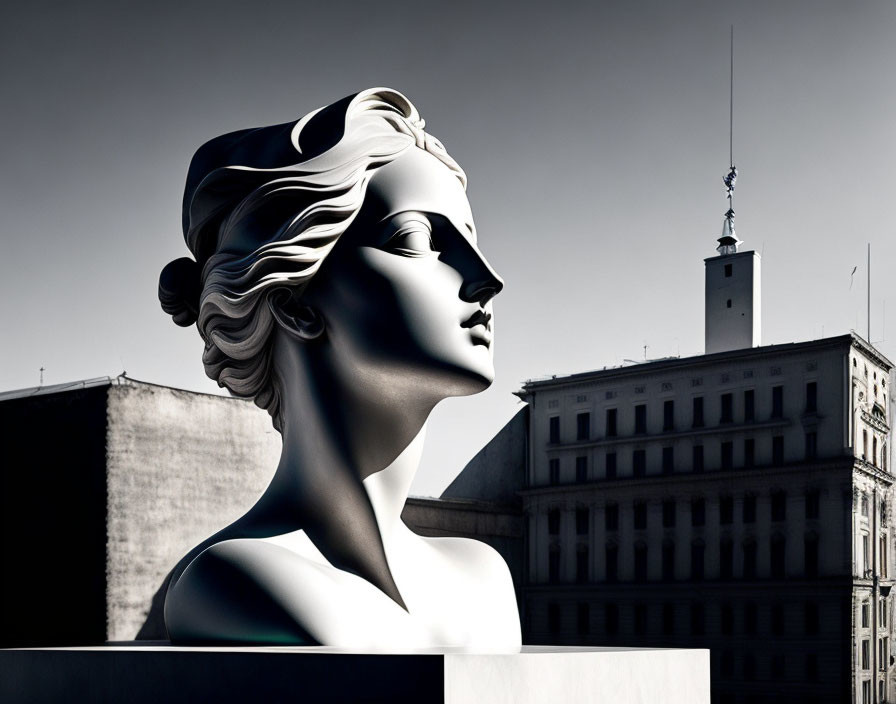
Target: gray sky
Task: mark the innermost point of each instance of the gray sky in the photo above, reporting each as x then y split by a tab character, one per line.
594	135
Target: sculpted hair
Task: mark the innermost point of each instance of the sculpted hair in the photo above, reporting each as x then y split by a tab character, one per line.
262	209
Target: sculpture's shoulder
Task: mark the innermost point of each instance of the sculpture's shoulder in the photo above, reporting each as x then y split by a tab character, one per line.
472	555
236	591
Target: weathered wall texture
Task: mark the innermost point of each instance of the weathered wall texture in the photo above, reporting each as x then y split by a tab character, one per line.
180	466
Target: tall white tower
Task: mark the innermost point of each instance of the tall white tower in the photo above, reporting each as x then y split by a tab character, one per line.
733	295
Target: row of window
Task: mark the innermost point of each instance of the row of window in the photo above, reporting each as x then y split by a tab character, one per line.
777	550
882	614
778	500
883	650
669	465
746	625
611	422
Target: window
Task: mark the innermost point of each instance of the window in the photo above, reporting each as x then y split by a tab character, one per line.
778	449
883	556
811	397
866	692
777	619
583	426
750	560
668	560
727	666
697	552
581	521
698	412
777	402
640	515
640	619
554	471
750	618
811	445
727	620
553	521
810	617
669	513
640	419
668	460
866	556
611	465
777	546
866	656
581	564
726	510
728	303
639	463
779	665
749	509
726	559
611	517
727	408
611	423
698	512
554	565
554	430
779	506
727	454
874	451
611	619
698	458
581	469
727	270
668	415
812	666
865	505
810	555
583	619
668	619
812	503
640	562
865	614
698	619
554	618
864	444
749	452
749	405
612	562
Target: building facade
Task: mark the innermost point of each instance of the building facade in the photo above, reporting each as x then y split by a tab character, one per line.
738	501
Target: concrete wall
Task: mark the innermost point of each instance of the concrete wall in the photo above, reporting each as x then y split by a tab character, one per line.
180	466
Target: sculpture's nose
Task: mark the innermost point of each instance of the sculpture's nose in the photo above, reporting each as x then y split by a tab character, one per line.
482	282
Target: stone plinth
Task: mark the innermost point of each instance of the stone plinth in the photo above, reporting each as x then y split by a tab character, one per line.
118	673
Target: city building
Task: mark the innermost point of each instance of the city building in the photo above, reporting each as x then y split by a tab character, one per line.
739	500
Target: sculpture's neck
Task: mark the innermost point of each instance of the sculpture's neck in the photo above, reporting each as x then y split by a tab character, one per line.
350	453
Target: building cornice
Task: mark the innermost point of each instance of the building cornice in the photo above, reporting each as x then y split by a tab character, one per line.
765	352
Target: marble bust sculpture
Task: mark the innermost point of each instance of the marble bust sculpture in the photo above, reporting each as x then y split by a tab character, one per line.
337	281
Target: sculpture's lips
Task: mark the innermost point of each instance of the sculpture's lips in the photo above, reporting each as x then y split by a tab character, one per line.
480	327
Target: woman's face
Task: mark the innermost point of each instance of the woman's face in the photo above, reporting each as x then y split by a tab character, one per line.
406	294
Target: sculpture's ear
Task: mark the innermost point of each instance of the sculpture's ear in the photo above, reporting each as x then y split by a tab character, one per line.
298	320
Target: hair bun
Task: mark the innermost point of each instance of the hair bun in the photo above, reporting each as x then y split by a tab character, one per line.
179	289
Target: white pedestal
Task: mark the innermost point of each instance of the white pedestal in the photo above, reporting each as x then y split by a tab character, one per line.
156	673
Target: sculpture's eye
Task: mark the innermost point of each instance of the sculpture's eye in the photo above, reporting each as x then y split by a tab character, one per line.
412	239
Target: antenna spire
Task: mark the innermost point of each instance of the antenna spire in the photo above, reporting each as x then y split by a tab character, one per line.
728	242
